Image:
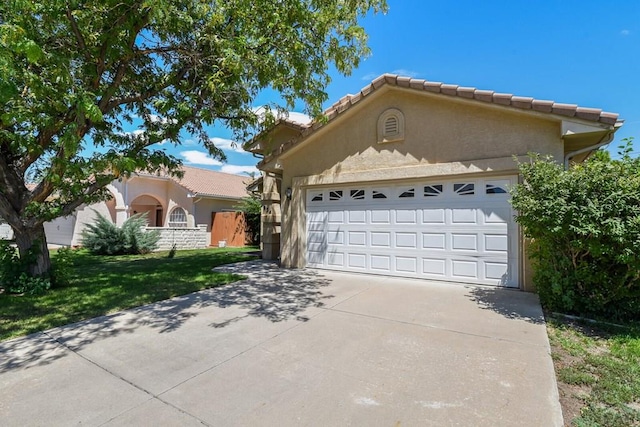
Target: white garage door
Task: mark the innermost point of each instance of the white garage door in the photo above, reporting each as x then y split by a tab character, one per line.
461	230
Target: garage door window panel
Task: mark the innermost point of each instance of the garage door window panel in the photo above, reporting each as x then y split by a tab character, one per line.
464	189
357	194
433	190
378	195
335	195
408	194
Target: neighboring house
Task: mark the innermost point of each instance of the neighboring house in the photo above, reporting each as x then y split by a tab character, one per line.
184	210
410	178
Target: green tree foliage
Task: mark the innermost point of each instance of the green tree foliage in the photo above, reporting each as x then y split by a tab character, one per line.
105	238
584	226
251	206
74	73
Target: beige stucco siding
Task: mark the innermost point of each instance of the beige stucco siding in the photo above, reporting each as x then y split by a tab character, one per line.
436	131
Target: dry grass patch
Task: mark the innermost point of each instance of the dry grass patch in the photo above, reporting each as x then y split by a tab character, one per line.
598	372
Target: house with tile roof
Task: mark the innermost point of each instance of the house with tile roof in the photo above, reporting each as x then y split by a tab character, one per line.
411	178
183	209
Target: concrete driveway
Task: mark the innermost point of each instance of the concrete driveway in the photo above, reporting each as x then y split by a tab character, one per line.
293	348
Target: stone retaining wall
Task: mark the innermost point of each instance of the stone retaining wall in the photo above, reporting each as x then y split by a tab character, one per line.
182	237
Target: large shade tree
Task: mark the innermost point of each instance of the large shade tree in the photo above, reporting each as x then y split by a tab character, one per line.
75	73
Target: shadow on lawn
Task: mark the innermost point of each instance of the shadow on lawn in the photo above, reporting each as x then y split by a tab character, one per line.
510	303
268	292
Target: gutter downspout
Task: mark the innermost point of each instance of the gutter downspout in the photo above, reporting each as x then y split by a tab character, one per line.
604	141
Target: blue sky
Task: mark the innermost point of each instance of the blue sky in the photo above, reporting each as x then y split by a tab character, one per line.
579	52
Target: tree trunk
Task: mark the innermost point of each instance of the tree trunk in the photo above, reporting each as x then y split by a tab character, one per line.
32	245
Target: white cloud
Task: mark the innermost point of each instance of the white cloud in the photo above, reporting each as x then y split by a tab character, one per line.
625	32
369	77
299	117
405	73
190	142
293	116
227	144
238	169
194	157
163	120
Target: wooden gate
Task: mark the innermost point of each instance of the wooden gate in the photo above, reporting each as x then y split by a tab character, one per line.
229	227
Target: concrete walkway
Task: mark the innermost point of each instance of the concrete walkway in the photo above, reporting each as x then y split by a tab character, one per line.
293	348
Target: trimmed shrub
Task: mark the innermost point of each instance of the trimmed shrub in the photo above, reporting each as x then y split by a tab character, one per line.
584	226
105	238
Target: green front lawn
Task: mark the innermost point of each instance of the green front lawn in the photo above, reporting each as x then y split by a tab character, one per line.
106	284
598	372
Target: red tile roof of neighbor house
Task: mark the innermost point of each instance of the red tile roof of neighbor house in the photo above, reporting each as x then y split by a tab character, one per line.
206	182
488	96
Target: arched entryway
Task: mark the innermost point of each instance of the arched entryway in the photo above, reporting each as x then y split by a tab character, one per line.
149	205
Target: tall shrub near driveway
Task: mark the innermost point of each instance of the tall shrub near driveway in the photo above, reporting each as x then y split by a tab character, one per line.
584	226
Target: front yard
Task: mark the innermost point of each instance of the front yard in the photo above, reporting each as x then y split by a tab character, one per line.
106	284
597	365
598	372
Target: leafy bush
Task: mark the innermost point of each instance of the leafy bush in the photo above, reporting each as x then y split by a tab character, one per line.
251	206
584	226
62	267
13	272
29	285
105	238
10	265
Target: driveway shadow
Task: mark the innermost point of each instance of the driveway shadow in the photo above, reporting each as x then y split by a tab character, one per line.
268	291
510	303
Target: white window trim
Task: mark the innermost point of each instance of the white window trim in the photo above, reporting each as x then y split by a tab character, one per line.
178	224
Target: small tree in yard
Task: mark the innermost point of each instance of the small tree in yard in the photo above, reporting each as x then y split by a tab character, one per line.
584	226
74	73
251	206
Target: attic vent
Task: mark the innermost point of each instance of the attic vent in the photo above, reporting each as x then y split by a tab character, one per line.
391	126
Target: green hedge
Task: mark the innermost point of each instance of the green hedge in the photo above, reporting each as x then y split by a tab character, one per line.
584	226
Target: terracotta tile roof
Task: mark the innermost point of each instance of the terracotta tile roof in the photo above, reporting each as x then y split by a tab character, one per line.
212	183
205	182
488	96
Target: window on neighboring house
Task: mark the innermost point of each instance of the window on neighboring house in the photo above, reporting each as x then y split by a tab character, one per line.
178	217
391	126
